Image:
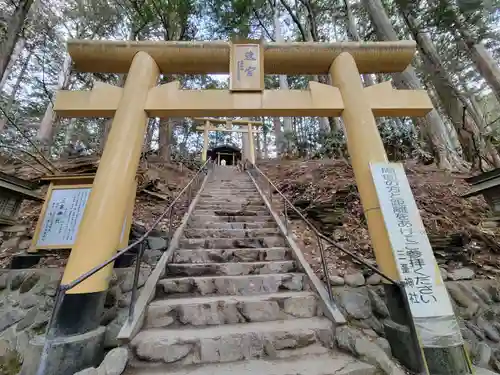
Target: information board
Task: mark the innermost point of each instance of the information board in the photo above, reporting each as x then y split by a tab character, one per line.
427	294
63	214
62	217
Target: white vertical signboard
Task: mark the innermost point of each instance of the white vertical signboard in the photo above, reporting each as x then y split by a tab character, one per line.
427	294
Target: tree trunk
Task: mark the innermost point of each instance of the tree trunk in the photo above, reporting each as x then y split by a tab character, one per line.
281	146
15	88
457	107
15	55
165	132
14	28
432	124
481	57
46	126
278	134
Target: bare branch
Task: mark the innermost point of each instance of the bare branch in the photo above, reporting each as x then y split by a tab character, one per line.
295	20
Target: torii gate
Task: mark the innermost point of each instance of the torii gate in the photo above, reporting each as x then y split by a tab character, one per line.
207	127
247	62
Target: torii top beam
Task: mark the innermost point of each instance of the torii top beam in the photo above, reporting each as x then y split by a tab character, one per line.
195	57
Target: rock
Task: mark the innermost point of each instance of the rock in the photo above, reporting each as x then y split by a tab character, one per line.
24	244
495	360
495	292
356	303
29	300
112	297
482	354
88	371
152	257
17	279
11	243
29	282
168	353
128	281
460	297
461	274
345	337
301	307
113	328
337	280
157	243
483	294
374	279
16	228
488	329
28	320
108	315
4	280
261	311
384	344
378	305
477	331
125	300
114	363
9	317
375	355
444	274
355	279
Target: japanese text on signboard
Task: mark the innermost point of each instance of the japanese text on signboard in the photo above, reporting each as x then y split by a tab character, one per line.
246	72
412	263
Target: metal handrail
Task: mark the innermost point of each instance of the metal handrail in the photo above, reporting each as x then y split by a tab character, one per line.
319	236
63	288
400	285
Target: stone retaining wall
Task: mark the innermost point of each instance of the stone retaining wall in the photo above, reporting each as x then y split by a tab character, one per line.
476	304
27	299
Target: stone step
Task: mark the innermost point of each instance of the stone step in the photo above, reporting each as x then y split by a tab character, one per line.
233	207
230	342
232	200
230	269
231	255
244	212
331	363
232	243
230	285
232	225
229	233
216	310
229	195
200	219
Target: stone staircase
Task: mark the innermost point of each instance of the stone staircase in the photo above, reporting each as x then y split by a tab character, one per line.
233	301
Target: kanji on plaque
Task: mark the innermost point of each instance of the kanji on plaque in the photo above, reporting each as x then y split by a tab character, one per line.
246	70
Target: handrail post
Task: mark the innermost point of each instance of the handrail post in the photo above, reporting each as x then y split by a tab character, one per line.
286	216
138	259
325	268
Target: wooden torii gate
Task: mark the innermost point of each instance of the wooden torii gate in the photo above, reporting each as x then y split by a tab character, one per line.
247	62
207	127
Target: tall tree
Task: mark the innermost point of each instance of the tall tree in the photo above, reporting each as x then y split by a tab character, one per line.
14	29
432	125
458	108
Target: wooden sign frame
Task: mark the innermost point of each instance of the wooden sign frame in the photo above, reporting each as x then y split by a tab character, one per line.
69	182
233	68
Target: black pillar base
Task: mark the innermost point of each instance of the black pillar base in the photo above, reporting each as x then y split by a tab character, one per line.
440	361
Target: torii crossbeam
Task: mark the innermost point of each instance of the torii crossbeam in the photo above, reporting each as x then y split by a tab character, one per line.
207	127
